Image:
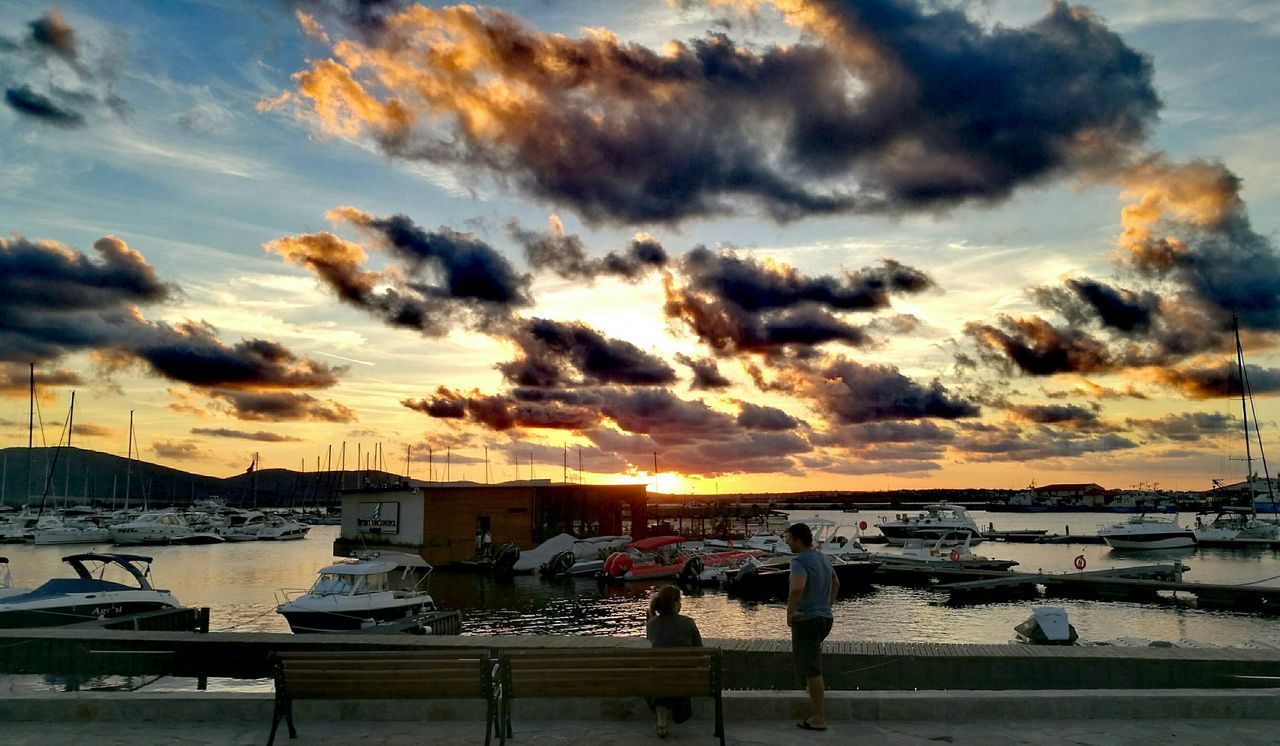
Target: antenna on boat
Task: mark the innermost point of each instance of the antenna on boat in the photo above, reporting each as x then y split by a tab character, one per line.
486	464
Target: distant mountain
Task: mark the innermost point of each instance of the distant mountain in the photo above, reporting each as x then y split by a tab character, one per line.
83	476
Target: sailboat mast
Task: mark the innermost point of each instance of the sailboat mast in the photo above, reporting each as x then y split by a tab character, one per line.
128	469
31	428
1244	411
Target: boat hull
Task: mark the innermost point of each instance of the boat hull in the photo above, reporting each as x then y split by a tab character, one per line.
75	613
1138	542
313	621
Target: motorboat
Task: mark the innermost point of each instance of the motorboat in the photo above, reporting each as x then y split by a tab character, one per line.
836	538
282	528
771	578
239	525
6	581
666	557
373	589
946	552
71	531
1047	626
1235	527
153	527
1147	532
18	528
560	553
89	595
937	521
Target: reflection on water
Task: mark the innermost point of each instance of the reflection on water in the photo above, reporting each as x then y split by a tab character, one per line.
240	583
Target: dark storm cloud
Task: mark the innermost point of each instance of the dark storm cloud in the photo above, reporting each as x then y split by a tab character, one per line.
755	286
15	378
553	352
1039	348
758	417
736	304
40	89
281	406
1082	300
55	301
1186	427
29	103
851	393
871	433
1011	443
706	374
887	106
1065	415
566	255
464	267
261	436
1219	381
504	412
449	277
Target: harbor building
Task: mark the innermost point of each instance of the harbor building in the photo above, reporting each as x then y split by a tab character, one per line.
448	522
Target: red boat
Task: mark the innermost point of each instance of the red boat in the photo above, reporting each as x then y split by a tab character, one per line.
663	557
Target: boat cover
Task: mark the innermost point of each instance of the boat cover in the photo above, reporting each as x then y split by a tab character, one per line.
67	586
656	542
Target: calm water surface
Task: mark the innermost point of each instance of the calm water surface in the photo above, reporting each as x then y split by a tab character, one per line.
241	584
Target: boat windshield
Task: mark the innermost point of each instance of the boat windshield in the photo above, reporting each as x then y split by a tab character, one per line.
334	584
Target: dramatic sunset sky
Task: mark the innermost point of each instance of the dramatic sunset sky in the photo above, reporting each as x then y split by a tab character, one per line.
782	244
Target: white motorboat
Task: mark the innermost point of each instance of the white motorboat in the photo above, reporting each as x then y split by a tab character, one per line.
832	538
18	528
558	555
943	553
89	595
239	525
377	588
1147	532
71	531
282	528
937	521
153	527
1235	527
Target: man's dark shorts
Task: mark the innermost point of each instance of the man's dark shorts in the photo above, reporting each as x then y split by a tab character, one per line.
806	645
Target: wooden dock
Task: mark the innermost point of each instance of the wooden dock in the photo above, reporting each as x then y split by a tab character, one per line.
1145	583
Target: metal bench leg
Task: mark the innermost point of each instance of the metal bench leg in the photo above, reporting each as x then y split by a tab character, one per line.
288	717
275	722
720	718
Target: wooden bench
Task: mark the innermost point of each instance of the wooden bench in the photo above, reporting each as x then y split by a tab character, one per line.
561	673
382	674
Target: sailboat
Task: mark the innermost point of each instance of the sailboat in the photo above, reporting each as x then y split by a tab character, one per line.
1236	526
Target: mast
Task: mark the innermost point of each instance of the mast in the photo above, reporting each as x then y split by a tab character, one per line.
128	469
1246	401
31	427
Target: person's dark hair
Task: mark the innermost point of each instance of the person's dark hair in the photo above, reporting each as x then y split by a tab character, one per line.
665	600
801	533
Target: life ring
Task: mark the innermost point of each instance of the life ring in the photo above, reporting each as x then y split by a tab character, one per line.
954	556
1080	563
862	525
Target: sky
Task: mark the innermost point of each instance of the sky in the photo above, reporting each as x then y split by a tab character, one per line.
707	245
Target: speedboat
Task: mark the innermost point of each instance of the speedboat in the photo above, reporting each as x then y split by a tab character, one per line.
153	527
937	521
1235	527
88	596
771	578
375	588
18	528
70	530
1147	532
944	553
239	525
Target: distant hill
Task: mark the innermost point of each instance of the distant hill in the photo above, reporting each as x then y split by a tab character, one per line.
83	476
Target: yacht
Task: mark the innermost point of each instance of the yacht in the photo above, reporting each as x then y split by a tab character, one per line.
944	553
357	594
88	596
937	521
71	531
18	528
239	525
282	528
1147	532
153	527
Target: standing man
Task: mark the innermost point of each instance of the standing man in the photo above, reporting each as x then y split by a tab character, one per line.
814	586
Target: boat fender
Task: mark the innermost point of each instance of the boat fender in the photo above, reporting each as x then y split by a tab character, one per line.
691	570
954	556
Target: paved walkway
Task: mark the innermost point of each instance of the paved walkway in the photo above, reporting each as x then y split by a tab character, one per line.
694	733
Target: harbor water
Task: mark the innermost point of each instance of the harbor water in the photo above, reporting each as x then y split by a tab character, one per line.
242	583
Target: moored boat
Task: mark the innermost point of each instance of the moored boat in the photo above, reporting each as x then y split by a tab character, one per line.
1141	532
942	519
88	596
371	590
